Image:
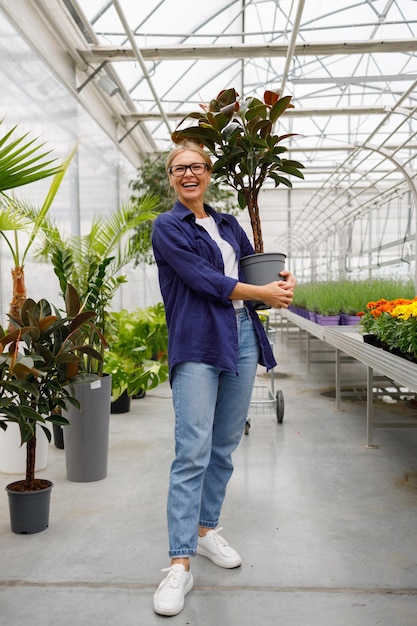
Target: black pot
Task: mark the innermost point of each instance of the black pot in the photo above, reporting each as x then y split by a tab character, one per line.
29	510
122	404
58	436
373	340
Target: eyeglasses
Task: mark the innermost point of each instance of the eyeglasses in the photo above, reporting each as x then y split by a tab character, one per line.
195	168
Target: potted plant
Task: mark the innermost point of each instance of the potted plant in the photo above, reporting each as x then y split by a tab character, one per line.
93	264
240	134
34	363
137	355
130	380
347	297
392	325
23	162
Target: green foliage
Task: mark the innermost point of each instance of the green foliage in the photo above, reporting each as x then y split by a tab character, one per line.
93	262
240	134
349	296
17	215
22	161
152	180
137	355
35	359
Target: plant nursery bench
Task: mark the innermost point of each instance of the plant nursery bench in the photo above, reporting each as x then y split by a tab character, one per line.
348	341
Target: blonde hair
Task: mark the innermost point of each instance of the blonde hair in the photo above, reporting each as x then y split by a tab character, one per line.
188	145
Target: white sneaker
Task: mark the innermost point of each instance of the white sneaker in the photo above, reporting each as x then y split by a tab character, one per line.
169	597
216	548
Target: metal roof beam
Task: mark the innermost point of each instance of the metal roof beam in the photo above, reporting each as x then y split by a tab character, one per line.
99	54
48	29
155	116
292	44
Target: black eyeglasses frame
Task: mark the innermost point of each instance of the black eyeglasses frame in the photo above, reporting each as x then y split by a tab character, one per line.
190	167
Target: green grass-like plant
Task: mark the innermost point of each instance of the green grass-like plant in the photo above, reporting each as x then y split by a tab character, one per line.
349	296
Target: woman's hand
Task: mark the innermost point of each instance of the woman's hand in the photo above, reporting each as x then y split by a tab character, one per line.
290	280
278	294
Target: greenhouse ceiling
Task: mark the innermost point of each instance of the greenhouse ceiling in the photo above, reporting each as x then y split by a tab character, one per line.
350	66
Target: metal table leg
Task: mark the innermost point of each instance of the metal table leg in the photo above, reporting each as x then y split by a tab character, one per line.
338	381
370	407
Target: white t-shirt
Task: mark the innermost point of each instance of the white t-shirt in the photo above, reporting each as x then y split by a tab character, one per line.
229	256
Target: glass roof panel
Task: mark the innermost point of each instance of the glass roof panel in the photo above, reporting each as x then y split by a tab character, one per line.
350	66
332	81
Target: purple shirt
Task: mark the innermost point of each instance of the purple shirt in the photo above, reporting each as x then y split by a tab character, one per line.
200	317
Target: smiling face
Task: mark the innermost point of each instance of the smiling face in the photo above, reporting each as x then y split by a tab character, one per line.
190	187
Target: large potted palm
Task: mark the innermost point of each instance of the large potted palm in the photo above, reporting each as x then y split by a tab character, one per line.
93	264
35	360
24	161
240	133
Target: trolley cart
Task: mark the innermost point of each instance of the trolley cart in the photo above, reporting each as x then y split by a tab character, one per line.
264	397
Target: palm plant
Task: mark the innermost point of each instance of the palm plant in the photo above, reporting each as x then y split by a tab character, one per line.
22	162
93	263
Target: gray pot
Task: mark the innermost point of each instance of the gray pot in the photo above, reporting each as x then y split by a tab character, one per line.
86	438
261	269
29	510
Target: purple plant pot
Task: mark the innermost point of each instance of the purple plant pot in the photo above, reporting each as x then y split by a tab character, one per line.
349	320
328	320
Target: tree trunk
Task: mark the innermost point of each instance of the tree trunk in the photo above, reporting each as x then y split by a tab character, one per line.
19	292
251	196
30	463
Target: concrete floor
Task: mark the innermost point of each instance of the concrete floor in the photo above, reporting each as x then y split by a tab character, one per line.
326	528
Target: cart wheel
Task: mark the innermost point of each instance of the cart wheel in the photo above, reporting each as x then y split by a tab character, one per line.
280	406
247	426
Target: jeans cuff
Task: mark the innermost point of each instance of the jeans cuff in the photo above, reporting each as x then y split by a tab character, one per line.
180	554
205	524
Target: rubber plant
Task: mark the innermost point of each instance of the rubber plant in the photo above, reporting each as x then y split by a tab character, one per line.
36	359
240	134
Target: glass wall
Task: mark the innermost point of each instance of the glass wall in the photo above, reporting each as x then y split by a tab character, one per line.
96	183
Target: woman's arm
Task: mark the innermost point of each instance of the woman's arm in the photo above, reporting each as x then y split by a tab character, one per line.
278	294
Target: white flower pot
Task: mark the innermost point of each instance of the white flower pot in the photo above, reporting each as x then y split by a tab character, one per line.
13	455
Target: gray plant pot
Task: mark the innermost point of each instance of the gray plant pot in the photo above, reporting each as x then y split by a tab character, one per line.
86	438
261	269
29	510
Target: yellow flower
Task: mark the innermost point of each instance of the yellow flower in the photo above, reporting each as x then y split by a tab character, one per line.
405	311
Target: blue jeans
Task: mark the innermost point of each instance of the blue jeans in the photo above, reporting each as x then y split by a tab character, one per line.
211	408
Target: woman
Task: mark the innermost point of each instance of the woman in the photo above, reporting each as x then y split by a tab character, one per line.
215	344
